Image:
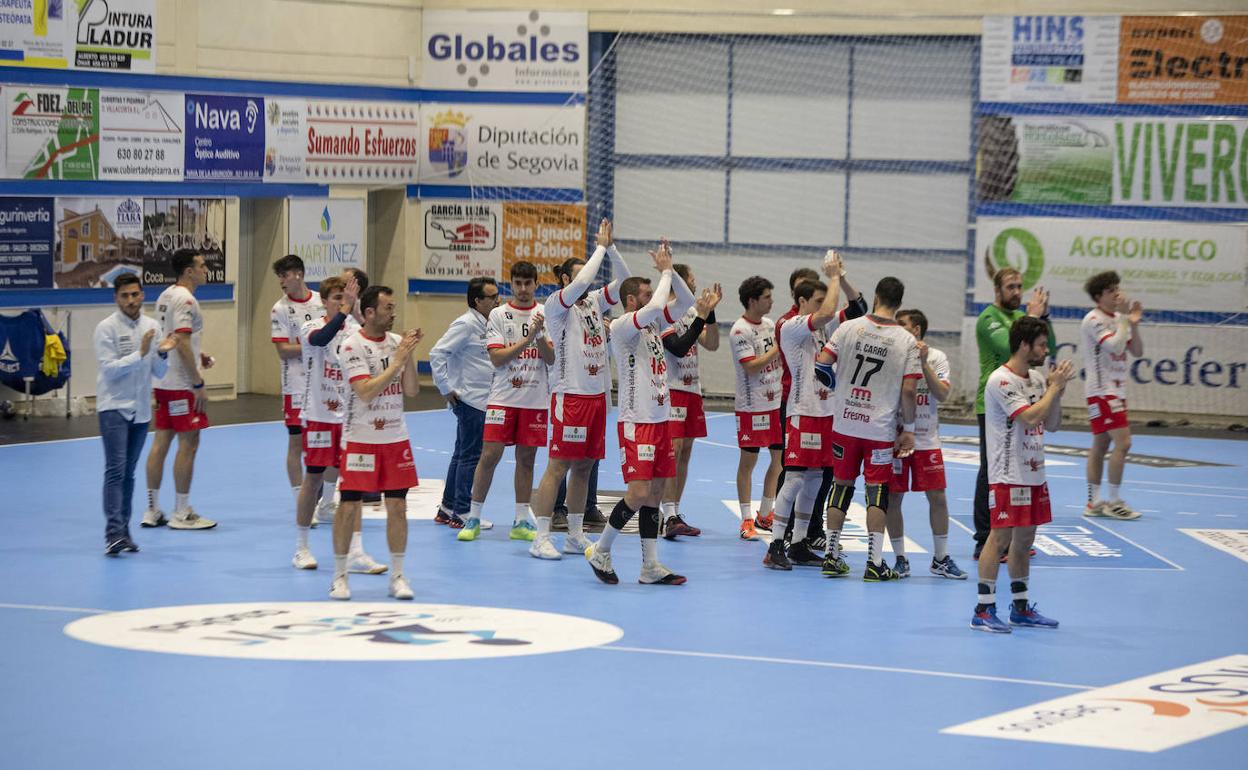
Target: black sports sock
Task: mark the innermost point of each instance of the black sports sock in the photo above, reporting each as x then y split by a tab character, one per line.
649	522
620	515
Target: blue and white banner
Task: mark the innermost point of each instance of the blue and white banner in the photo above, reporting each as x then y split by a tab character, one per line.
225	137
26	228
505	50
327	234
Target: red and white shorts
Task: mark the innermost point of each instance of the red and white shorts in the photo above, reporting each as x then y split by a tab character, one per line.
923	471
759	430
688	417
1106	413
579	426
851	454
808	442
175	411
322	444
513	425
377	467
292	409
1010	505
646	451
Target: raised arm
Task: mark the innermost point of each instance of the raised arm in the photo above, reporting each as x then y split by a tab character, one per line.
1136	344
501	355
111	363
1048	409
936	374
684	299
619	273
832	268
366	388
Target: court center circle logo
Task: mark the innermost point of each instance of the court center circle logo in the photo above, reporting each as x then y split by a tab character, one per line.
340	631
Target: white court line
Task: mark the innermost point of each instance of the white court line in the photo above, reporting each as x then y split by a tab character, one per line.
1158	483
52	608
1034	565
1137	545
853	666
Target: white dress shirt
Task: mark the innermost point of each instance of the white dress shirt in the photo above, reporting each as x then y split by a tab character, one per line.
460	362
124	381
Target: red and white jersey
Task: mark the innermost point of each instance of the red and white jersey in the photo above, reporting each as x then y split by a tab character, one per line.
521	382
926	419
873	356
758	392
379	421
1106	371
1015	451
287	319
682	371
641	364
325	394
579	335
177	310
800	343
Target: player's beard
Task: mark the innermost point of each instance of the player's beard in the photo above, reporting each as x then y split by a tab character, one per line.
1011	304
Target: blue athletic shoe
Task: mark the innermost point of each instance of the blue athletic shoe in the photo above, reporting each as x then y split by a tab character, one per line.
947	568
988	621
1029	618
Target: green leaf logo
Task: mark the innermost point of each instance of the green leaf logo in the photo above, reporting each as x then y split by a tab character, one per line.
1020	249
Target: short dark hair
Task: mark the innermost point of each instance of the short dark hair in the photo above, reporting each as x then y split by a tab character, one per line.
631	286
476	288
524	270
371	296
752	288
1101	283
330	285
999	277
361	277
564	268
808	289
917	318
288	263
801	274
124	280
890	291
682	270
1026	329
181	260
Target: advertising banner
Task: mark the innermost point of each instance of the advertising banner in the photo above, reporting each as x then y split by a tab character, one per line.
285	134
141	136
97	240
26	229
1049	59
225	137
170	224
362	142
52	133
461	240
503	146
1192	266
542	233
327	234
115	35
505	50
1183	59
34	33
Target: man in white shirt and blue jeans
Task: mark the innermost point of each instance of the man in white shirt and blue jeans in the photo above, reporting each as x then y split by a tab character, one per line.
127	360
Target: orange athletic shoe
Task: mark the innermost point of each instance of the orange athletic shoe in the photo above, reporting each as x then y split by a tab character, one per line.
747	530
764	522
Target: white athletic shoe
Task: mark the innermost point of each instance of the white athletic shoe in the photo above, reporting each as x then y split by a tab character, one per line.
1093	510
324	514
153	518
543	547
1117	509
656	574
304	559
188	519
576	543
486	525
339	589
399	588
364	564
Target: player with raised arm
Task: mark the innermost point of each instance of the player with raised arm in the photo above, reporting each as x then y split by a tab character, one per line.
755	358
1019	407
298	306
647	459
1110	331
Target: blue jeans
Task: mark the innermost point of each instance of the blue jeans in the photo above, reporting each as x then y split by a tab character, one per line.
457	493
591	491
123	443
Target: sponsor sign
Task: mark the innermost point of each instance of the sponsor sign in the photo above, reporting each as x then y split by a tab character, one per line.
1232	541
542	233
1049	59
52	133
225	137
1165	265
1149	714
26	227
462	239
1183	59
854	535
97	240
1074	542
141	136
285	133
505	50
34	33
362	142
482	145
332	631
327	234
170	224
113	34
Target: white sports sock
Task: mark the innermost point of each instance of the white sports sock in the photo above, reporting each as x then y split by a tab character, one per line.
669	510
396	565
357	544
474	509
746	513
576	524
1094	493
523	513
153	499
181	502
340	565
608	537
1115	494
834	539
875	551
940	545
302	542
649	551
899	545
768	505
543	526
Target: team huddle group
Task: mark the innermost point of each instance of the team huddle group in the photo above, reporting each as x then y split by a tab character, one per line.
834	391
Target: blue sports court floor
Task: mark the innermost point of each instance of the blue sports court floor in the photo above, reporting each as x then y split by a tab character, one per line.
741	668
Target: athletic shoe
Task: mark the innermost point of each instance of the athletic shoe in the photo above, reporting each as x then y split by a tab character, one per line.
339	589
115	547
544	548
764	522
834	565
576	543
130	546
1117	509
455	521
470	532
818	542
801	555
443	516
878	574
600	563
947	568
1029	618
1091	511
776	558
559	520
988	621
747	530
363	564
595	520
676	526
902	568
399	588
656	574
523	530
304	559
486	525
153	517
188	519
